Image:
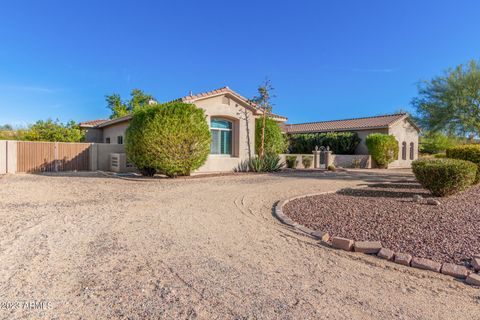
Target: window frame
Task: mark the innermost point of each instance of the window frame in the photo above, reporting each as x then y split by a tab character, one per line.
119	139
412	150
220	130
107	140
404	150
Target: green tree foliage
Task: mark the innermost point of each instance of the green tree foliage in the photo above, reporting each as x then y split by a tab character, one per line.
338	142
451	102
274	139
119	108
6	127
437	142
383	148
172	139
443	177
469	152
263	102
50	130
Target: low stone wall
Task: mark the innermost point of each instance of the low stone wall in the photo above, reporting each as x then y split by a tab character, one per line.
363	161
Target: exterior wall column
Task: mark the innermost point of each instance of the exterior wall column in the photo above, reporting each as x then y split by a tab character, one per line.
316	158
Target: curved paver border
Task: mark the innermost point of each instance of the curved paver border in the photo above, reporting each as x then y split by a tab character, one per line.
375	247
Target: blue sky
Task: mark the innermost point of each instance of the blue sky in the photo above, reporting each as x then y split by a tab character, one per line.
326	59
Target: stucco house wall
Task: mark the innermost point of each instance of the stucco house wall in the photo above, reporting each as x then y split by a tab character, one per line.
115	131
406	133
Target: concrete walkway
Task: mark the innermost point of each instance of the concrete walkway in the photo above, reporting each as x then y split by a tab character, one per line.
93	247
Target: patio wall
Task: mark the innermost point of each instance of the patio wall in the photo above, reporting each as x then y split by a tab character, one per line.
352	160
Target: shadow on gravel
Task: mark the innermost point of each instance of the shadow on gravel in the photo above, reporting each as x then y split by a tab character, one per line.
380	193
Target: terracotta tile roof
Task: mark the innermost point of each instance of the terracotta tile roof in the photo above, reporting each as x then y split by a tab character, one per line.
92	123
186	99
376	122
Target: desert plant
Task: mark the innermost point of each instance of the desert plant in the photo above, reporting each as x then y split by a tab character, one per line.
338	142
356	163
437	142
292	162
269	163
383	148
443	177
172	138
307	161
331	168
469	152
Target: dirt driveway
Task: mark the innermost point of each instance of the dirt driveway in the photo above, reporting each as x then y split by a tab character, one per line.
93	247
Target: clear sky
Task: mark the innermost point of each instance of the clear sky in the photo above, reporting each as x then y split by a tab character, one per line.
326	59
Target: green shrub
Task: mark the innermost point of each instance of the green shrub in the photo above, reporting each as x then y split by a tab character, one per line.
443	177
292	162
269	163
469	152
436	142
383	148
307	161
338	142
172	139
440	156
275	141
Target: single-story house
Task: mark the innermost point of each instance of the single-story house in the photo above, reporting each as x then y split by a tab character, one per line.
399	125
232	123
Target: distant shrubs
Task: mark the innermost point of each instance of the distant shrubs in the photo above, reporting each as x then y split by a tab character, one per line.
172	139
437	142
307	161
383	148
338	142
443	177
269	163
469	152
292	162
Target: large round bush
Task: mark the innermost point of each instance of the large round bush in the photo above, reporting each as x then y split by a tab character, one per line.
469	152
171	138
383	148
443	177
275	141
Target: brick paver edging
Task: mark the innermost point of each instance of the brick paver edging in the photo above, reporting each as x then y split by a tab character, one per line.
375	247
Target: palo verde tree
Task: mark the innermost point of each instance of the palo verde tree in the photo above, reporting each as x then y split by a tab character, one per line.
262	101
120	108
451	103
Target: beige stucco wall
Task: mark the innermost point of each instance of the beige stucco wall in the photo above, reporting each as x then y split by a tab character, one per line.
114	131
404	131
348	160
102	152
94	135
3	156
243	132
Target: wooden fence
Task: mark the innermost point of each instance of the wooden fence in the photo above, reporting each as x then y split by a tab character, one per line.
52	156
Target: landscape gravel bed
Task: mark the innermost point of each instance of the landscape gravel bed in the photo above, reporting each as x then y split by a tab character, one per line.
447	232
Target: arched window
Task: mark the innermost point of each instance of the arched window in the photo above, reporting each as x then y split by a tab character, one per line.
412	150
404	150
221	130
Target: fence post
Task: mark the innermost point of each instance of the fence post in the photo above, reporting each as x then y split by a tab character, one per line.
93	155
55	156
316	158
11	150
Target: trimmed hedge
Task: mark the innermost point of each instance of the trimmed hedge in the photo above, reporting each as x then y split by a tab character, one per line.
469	152
275	142
291	162
443	177
338	142
171	138
307	161
383	148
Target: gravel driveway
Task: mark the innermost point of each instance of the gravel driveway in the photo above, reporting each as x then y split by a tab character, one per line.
92	247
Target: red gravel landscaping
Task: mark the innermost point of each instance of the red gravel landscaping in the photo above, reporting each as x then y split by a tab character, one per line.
449	232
